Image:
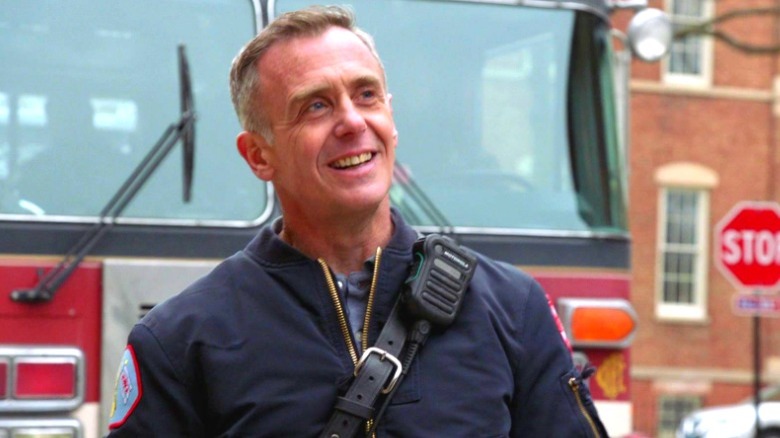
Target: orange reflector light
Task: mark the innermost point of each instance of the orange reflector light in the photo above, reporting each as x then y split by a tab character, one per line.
55	379
601	324
598	322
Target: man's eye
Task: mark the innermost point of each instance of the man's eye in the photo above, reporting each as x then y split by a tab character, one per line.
367	95
316	106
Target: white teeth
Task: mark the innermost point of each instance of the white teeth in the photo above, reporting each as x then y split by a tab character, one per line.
352	161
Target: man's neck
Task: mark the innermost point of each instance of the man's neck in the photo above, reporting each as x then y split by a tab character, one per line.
343	242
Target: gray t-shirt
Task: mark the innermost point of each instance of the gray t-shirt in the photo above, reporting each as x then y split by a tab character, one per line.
353	289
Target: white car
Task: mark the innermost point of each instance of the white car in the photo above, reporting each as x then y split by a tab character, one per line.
735	421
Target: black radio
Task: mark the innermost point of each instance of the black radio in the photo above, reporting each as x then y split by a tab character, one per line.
438	279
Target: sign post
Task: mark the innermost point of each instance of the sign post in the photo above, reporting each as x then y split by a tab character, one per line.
747	252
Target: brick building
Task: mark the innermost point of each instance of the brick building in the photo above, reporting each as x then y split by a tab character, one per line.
705	134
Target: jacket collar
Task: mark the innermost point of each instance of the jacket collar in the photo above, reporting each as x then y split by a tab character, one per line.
269	249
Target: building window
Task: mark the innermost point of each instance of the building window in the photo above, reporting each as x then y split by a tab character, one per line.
671	411
680	246
690	58
683	228
682	254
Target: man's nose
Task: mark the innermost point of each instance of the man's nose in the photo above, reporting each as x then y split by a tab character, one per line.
350	119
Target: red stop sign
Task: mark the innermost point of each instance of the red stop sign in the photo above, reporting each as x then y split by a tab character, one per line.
747	245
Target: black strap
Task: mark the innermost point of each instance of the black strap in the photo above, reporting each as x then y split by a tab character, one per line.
433	294
377	372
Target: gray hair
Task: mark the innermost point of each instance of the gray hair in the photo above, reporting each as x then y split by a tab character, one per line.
244	77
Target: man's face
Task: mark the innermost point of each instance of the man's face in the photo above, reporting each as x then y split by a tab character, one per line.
334	136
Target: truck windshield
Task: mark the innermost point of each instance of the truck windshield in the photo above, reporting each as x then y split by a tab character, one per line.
505	114
87	88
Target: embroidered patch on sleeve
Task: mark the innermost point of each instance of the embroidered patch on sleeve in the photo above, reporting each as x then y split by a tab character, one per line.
559	324
127	390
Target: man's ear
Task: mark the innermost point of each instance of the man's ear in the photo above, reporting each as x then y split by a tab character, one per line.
256	150
389	105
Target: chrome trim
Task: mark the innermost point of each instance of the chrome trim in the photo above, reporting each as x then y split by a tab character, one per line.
528	3
265	215
13	355
271	5
258	8
627	4
549	4
61	425
128	283
565	5
524	232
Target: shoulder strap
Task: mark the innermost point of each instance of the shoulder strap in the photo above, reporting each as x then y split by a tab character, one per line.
433	293
378	372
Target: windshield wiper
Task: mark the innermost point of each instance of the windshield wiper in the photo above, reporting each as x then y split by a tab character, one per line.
409	187
187	117
184	130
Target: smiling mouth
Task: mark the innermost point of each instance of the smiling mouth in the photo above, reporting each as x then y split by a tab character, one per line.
355	160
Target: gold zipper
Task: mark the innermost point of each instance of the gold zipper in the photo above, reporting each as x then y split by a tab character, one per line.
343	323
370	303
575	387
342	317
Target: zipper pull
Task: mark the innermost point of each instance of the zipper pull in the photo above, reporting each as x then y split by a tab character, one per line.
588	371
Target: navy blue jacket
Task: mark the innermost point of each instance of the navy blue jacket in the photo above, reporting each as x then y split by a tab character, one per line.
254	349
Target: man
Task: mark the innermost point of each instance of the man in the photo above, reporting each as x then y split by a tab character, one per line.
265	344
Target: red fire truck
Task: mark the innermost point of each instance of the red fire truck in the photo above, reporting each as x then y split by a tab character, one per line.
509	142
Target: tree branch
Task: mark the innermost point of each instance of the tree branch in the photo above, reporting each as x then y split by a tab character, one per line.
707	27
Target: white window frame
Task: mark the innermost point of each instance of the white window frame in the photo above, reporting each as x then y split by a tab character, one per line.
697	309
704	78
701	180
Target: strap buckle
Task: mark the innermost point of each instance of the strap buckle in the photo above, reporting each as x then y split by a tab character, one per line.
382	356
